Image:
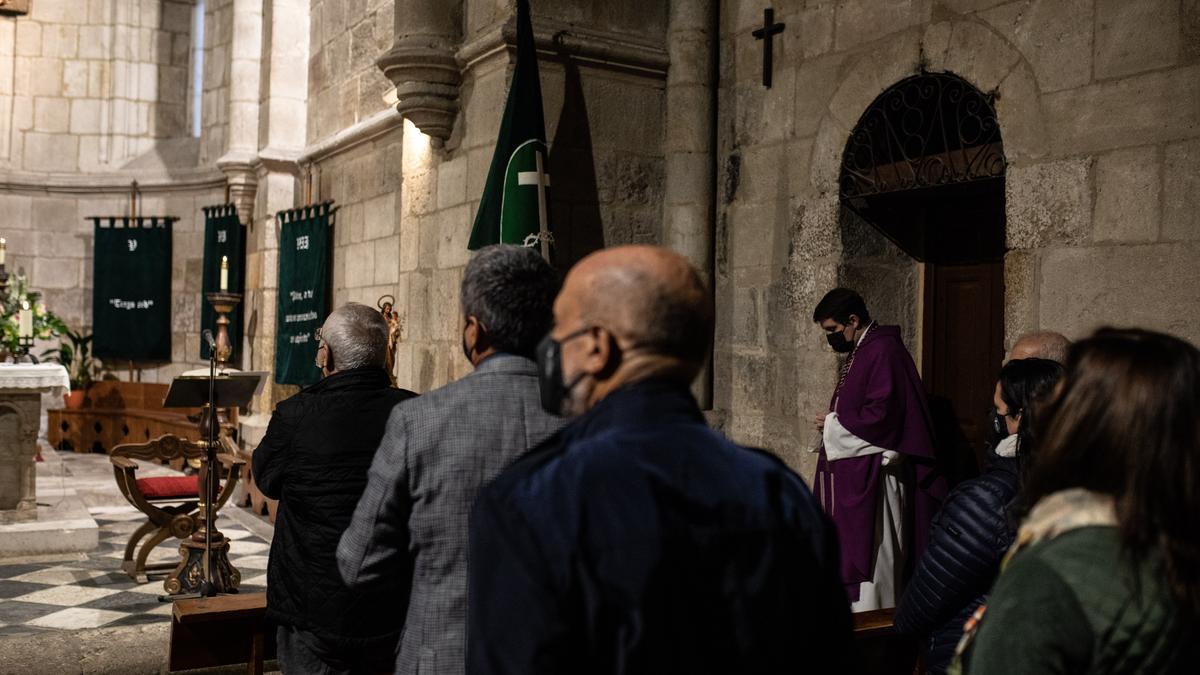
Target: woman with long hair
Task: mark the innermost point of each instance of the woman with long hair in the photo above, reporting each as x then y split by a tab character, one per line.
1105	574
970	534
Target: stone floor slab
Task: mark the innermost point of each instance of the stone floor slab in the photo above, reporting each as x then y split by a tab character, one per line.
74	618
66	596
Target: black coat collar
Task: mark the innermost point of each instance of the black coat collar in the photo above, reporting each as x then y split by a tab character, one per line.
367	377
657	401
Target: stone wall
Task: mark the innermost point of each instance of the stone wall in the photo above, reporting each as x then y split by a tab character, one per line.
344	85
215	81
365	184
93	96
49	239
407	203
87	86
1099	107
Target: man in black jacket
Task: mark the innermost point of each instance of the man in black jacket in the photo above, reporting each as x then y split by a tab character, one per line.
314	459
639	540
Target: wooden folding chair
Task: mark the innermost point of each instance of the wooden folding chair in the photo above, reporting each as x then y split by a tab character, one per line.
171	503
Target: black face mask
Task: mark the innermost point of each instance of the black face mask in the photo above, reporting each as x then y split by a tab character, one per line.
554	391
839	342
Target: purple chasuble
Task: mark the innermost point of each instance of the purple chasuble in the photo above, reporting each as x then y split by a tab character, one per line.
881	400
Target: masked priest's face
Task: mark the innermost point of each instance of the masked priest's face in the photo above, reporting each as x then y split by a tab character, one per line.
841	336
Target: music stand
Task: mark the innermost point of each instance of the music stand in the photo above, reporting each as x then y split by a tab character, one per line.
232	388
229	389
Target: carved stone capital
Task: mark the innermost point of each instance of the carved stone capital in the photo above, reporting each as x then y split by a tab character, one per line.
242	179
427	80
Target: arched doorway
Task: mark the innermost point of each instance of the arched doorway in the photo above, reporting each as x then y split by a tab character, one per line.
922	194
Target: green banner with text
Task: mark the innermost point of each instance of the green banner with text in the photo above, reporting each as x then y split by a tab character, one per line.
224	238
131	289
303	291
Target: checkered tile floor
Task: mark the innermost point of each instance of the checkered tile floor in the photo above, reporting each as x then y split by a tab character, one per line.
91	591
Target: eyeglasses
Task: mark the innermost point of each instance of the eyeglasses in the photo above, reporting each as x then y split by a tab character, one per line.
322	358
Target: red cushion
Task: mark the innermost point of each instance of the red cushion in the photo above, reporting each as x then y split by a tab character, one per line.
168	487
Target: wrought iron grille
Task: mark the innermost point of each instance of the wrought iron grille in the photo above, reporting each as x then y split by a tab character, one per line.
926	130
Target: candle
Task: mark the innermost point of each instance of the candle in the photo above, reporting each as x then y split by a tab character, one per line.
25	319
224	273
3	250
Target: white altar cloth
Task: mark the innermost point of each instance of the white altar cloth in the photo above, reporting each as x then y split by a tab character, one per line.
50	377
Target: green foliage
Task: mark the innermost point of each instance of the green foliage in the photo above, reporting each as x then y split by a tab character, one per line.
45	324
76	356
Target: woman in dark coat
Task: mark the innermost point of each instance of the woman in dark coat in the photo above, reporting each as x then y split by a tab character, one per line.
1105	576
969	536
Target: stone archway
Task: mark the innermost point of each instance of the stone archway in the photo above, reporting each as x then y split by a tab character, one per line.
979	55
923	232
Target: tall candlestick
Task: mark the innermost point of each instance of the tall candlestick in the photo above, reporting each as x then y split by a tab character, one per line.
3	250
25	319
224	273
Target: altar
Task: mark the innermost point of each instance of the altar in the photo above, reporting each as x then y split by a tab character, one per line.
62	522
21	389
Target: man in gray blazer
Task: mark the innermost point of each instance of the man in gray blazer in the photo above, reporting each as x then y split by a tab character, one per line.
441	448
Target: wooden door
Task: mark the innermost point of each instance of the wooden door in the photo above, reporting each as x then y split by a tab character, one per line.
963	345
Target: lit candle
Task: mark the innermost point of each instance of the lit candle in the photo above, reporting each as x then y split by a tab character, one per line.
224	273
25	319
3	250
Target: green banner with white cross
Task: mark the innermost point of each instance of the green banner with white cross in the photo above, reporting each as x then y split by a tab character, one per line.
513	207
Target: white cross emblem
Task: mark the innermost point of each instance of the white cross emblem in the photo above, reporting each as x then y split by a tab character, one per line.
541	180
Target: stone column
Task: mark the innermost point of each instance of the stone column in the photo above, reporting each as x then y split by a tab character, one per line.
422	64
688	215
282	95
245	52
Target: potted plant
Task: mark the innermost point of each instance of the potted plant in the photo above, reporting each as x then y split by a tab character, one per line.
75	355
45	324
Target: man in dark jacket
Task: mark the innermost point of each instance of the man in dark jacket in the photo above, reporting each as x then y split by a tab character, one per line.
314	459
638	540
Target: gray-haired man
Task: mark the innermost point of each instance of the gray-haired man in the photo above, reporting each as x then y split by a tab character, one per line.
440	449
314	459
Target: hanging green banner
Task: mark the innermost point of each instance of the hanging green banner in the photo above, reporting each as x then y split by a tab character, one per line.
303	292
131	289
224	237
512	209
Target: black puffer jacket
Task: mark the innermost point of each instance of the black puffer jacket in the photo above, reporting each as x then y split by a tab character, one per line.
967	540
314	459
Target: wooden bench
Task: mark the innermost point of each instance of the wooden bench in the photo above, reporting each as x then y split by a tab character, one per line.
882	650
232	629
221	631
117	412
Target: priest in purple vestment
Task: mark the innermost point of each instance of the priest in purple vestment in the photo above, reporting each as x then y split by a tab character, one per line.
875	475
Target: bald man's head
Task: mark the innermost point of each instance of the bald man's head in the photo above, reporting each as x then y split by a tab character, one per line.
1045	344
627	314
648	296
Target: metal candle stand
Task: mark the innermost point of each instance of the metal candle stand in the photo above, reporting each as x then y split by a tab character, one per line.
24	344
205	570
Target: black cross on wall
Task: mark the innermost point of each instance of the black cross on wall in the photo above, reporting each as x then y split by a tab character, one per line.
767	34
